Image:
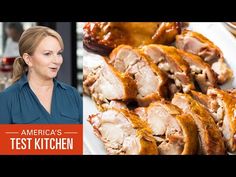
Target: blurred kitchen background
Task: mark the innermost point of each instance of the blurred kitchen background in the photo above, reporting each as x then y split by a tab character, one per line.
71	32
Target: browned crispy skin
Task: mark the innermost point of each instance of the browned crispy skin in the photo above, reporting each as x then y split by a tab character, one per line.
207	101
98	39
103	37
202	72
136	137
109	84
228	118
169	61
166	33
197	44
189	129
221	105
144	132
211	140
150	80
175	132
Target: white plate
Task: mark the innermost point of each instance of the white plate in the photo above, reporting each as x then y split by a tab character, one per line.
216	32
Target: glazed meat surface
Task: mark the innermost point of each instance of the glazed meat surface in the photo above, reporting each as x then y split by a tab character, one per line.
211	141
197	44
103	37
201	71
150	80
175	132
169	61
109	84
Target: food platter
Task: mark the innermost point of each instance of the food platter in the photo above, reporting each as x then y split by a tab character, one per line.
216	32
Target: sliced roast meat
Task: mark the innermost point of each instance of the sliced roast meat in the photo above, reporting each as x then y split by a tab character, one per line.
226	115
197	44
175	132
169	61
209	103
210	138
166	32
202	72
221	105
150	80
224	73
112	85
90	75
122	132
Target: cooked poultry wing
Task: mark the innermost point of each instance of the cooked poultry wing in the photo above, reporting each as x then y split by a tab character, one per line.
108	84
150	80
197	44
175	132
122	132
103	37
169	61
211	141
202	72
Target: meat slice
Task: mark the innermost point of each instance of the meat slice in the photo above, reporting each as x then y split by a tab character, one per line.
197	44
122	132
211	141
209	104
169	61
166	32
150	80
224	73
226	115
109	84
202	72
175	132
90	75
103	37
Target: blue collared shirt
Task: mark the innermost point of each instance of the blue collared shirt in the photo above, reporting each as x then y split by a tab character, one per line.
19	105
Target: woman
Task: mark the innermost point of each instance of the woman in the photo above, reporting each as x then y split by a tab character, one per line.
36	97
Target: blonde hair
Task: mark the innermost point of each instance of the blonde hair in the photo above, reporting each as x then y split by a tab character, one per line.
28	42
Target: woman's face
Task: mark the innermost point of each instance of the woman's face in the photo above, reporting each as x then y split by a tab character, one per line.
47	58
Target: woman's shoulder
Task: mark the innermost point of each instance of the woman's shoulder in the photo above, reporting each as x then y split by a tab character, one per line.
14	88
8	95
